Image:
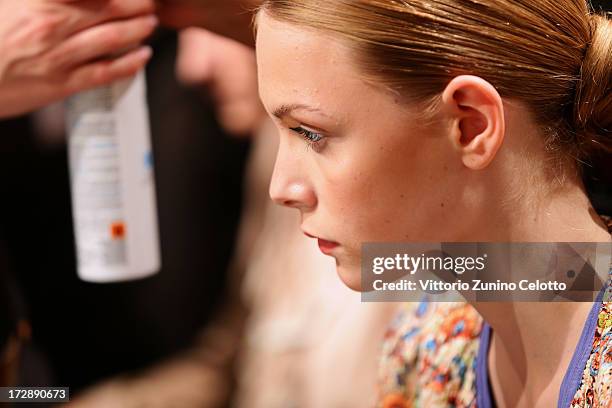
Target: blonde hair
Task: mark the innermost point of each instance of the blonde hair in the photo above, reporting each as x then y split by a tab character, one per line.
555	56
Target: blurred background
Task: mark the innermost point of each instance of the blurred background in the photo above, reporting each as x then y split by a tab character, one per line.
85	332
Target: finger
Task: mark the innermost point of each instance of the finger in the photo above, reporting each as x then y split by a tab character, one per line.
101	41
22	96
104	72
88	13
113	8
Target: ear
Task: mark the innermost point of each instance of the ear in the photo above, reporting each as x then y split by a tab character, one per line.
476	119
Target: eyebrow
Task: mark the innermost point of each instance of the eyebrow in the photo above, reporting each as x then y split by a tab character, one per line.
284	110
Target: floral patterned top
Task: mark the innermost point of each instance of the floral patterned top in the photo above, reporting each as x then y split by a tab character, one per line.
430	358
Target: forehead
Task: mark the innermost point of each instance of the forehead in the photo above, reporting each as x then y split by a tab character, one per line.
275	36
295	61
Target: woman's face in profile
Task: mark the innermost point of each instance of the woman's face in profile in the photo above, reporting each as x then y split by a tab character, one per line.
358	164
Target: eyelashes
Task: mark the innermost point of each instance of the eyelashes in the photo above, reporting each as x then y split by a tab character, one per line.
312	138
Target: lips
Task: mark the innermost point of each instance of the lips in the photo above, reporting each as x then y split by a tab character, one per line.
324	245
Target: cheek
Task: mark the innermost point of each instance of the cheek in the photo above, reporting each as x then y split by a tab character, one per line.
393	191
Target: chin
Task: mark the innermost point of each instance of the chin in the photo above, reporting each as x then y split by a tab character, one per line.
350	276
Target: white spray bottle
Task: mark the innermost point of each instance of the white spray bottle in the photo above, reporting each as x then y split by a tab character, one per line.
112	183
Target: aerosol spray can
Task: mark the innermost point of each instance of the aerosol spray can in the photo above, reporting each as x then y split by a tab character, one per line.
112	183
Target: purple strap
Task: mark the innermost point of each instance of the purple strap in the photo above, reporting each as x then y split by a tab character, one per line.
573	377
483	392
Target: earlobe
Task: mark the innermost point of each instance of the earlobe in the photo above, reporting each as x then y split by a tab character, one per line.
476	119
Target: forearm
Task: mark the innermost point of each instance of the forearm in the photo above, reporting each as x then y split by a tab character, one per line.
230	18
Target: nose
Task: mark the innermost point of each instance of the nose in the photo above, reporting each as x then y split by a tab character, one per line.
289	185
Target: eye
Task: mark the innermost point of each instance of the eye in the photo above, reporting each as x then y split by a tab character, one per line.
312	138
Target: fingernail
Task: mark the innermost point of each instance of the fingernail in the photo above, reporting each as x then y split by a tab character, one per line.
145	52
153	20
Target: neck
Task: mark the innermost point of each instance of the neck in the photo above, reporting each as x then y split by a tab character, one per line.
563	215
531	349
522	343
